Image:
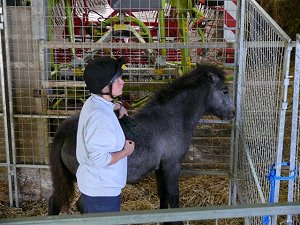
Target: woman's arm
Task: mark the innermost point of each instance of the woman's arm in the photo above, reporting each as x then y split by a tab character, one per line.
126	151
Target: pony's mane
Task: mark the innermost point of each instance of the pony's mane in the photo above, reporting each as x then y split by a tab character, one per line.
199	76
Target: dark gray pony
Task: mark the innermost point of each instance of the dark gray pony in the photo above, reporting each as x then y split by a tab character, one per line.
162	131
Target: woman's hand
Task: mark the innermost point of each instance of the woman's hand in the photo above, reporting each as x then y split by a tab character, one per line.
129	147
121	109
126	151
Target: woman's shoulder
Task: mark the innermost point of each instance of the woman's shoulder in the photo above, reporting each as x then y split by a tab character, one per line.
99	114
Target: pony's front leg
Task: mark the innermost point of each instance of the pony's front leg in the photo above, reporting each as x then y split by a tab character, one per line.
168	187
171	176
161	190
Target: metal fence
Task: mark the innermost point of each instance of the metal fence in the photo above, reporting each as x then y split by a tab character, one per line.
201	215
46	45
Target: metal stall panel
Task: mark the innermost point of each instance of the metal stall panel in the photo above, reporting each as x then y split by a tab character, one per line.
294	184
50	42
159	41
155	50
30	134
28	126
261	100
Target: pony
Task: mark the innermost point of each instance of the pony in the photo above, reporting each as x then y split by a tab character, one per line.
162	131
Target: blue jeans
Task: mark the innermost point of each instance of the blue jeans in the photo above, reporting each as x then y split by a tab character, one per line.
101	203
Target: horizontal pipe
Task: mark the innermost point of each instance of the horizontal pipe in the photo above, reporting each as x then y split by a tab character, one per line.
162	215
169	45
154	45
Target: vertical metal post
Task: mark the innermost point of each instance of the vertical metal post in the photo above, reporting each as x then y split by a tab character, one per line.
39	11
280	135
5	122
233	130
239	82
295	125
9	117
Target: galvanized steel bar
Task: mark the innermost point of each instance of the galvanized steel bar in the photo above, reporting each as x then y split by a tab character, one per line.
159	45
10	117
234	138
4	115
162	215
154	45
295	126
33	166
254	174
241	51
281	126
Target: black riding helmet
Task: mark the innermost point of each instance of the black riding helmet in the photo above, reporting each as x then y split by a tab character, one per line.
101	72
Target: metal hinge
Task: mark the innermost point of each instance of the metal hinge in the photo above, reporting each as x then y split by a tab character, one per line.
272	178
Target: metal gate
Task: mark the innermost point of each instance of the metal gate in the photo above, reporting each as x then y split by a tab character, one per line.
48	43
261	160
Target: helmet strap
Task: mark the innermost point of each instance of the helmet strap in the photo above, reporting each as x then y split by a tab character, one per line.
108	93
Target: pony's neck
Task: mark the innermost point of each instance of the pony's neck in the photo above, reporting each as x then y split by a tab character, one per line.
193	107
185	108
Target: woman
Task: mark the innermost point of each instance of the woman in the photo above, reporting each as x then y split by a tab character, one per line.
101	146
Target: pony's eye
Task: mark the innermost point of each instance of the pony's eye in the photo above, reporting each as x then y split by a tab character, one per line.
225	92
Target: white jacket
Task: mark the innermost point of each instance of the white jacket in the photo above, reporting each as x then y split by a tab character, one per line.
99	133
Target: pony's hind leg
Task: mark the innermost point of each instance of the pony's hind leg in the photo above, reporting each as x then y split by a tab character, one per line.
54	207
79	204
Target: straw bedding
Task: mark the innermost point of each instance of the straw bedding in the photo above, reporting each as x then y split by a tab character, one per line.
195	190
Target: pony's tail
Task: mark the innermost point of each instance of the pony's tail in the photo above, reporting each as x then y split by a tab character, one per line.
62	178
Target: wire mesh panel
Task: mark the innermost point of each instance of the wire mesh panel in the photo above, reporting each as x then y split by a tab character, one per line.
51	42
151	38
31	129
262	89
